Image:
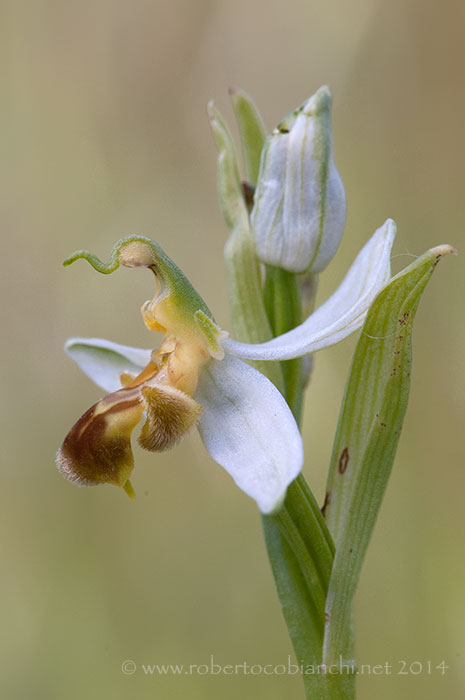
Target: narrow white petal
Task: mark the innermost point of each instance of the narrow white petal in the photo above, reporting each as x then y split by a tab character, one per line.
104	362
341	314
247	427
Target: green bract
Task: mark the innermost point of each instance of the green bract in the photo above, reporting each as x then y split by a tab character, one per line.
369	428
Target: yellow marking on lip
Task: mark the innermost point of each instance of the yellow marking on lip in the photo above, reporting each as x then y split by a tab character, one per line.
147	373
129	490
126	378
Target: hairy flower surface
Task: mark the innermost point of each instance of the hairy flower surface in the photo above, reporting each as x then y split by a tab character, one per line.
197	378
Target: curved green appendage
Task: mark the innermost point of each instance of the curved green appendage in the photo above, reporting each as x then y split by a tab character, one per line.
96	263
114	263
141	251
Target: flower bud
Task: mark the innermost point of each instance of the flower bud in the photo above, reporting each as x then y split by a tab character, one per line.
300	206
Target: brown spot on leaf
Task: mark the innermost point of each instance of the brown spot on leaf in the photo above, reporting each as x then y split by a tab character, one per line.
326	503
404	318
343	460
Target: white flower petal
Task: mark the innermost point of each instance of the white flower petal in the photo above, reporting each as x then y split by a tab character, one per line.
104	362
248	428
340	315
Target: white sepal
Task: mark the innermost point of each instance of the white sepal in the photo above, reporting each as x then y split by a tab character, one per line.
248	428
104	362
341	314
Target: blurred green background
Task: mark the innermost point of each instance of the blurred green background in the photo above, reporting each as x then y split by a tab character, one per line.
104	133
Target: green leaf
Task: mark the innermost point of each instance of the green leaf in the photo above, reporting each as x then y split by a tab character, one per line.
248	314
301	550
369	427
251	130
229	184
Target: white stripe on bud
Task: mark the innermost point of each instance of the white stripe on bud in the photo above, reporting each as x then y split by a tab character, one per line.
300	206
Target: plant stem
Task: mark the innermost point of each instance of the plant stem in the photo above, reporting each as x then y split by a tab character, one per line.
300	546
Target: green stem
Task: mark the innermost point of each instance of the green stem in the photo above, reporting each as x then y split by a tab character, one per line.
300	547
282	302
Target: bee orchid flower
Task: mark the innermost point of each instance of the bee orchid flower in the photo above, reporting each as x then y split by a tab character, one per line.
198	377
